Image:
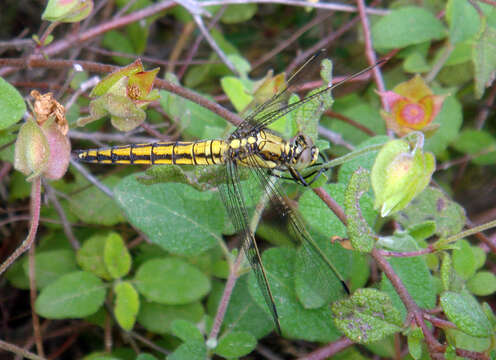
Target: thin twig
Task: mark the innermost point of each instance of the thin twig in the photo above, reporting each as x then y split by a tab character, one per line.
92	179
179	45
334	137
329	350
32	298
284	44
148	343
310	4
440	323
386	253
196	44
486	107
432	344
369	51
350	121
331	203
63	218
469	232
19	351
323	43
35	219
436	68
213	44
119	138
226	296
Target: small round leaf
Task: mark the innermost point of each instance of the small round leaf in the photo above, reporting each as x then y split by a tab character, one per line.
236	344
74	295
171	281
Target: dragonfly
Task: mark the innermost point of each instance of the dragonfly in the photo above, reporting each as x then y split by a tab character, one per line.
252	145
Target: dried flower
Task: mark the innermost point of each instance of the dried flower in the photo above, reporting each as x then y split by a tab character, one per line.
413	107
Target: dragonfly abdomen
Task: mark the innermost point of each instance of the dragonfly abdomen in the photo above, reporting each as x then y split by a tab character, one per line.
206	152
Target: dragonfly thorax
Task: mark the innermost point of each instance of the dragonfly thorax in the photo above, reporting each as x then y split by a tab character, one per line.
267	149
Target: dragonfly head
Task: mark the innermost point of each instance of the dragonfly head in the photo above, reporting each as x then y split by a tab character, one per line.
305	153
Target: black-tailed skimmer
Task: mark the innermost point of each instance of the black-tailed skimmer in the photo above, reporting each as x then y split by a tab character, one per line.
254	146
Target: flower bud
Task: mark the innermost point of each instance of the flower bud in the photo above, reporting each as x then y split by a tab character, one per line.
42	147
67	10
399	174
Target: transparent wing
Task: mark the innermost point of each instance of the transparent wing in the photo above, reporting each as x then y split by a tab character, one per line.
276	107
234	201
323	275
269	111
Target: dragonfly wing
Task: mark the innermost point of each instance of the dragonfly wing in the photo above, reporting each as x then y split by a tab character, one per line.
275	107
319	273
234	201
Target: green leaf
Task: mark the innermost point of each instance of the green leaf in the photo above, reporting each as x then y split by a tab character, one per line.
480	257
158	318
414	343
296	321
50	265
74	295
143	356
484	58
433	205
463	341
178	283
12	105
414	274
307	116
196	121
186	331
94	207
126	304
422	230
236	344
191	350
364	114
464	260
466	313
116	256
482	284
90	256
243	313
446	271
463	19
115	41
360	271
360	233
416	63
365	161
238	13
315	283
406	26
236	92
367	316
177	217
478	143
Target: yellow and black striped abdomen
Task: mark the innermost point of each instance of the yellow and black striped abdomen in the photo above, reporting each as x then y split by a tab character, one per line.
206	152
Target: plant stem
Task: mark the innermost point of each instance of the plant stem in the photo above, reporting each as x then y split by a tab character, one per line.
432	344
35	219
329	350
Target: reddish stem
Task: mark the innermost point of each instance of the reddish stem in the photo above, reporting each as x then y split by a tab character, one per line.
35	219
427	250
226	296
329	350
433	345
32	297
331	203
